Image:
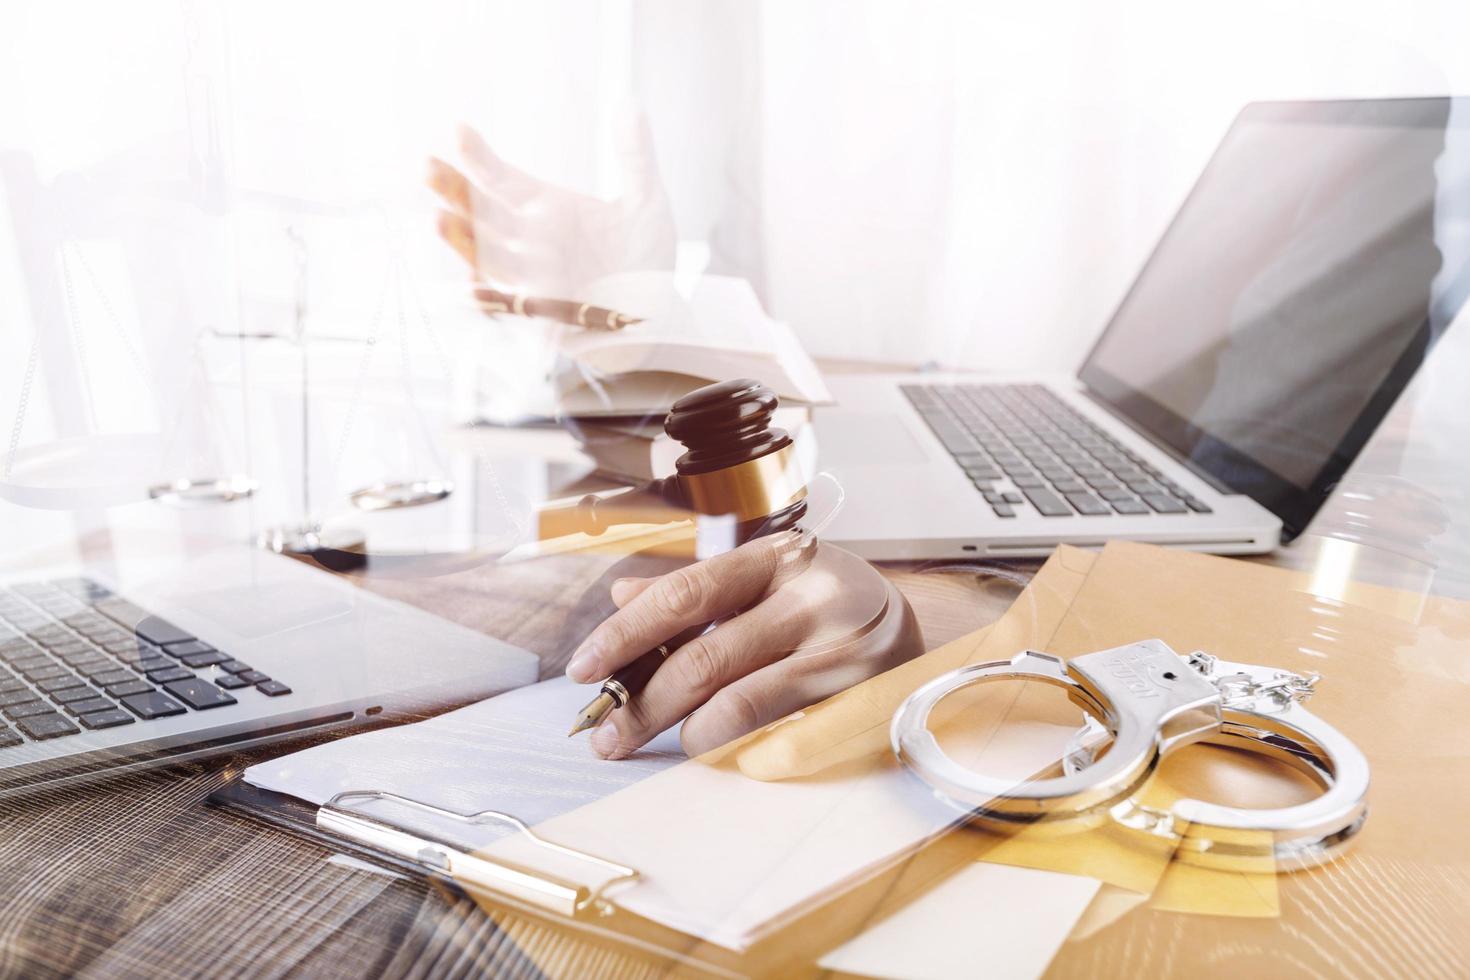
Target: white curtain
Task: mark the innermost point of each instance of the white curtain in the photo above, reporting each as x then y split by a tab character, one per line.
977	183
972	183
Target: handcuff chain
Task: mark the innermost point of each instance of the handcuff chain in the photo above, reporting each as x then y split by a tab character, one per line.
1242	690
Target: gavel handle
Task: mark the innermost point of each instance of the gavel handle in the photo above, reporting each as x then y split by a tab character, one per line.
652	503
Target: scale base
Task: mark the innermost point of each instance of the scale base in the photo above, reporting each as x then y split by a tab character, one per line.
339	550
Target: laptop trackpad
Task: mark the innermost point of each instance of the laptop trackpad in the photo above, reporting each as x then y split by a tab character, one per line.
866	438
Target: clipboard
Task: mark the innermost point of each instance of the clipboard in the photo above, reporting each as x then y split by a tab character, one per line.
590	924
565	911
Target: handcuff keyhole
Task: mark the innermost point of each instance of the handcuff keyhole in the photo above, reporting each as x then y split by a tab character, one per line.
1169	675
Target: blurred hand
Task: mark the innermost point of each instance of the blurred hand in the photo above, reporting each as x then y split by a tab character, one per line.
523	234
769	597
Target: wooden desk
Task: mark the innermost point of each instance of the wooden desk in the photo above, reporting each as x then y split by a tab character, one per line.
136	875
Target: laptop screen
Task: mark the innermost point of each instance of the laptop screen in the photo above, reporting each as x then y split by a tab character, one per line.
1322	251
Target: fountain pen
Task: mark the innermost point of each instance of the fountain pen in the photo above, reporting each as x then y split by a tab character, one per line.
628	682
562	310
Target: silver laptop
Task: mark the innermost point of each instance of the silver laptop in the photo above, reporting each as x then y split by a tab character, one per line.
1302	282
101	672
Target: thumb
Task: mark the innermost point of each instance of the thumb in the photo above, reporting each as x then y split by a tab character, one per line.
637	156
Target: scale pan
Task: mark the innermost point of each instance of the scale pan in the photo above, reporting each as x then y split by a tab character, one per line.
405	493
84	471
187	492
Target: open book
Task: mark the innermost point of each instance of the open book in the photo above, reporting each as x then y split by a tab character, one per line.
714	330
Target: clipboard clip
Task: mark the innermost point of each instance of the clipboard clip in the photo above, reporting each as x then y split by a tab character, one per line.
473	871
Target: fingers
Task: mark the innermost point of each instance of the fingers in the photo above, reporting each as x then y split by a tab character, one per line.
699	593
762	697
451	185
497	259
701	671
494	174
466	199
459	232
625	590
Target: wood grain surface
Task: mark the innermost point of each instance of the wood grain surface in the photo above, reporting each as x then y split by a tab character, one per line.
137	876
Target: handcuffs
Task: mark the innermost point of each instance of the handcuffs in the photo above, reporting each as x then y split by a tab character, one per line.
1154	701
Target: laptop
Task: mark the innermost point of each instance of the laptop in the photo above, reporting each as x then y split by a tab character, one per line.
1291	299
137	666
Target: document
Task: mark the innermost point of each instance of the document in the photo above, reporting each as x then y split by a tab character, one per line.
509	753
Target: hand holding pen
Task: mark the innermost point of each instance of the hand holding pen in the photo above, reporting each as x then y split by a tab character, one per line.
733	677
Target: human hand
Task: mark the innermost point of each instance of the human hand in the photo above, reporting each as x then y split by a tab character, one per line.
524	234
769	597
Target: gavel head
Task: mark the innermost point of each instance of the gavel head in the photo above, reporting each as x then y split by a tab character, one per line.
736	462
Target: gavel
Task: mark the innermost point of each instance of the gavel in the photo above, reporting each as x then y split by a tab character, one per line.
735	465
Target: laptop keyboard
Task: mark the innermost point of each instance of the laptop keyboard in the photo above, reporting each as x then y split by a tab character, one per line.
1023	446
75	656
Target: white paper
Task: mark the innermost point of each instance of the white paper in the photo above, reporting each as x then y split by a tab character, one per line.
510	753
986	920
721	856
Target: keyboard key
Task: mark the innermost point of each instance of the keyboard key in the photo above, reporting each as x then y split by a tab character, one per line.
1028	481
1116	495
120	611
26	709
206	659
33	659
9	738
172	673
1003	510
20	696
1068	486
1088	505
17	650
1163	503
133	686
110	718
42	671
1048	503
273	689
81	656
73	694
230	682
155	704
88	706
1131	506
1197	505
53	684
115	675
160	631
49	725
252	676
234	666
69	648
187	647
12	684
198	694
151	664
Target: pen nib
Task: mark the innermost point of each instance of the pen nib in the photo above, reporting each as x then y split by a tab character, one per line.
592	715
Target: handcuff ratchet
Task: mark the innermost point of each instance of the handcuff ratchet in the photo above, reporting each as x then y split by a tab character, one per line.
1153	701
